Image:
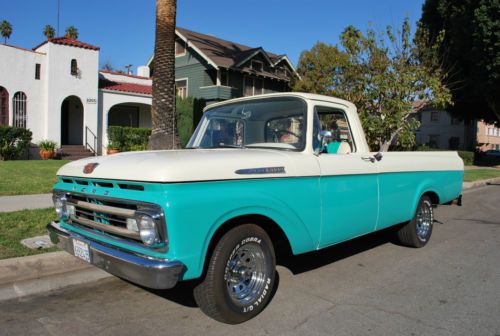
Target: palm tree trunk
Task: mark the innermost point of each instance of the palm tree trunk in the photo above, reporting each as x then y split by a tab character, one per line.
164	132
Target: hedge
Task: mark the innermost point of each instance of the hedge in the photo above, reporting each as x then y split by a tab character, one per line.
189	112
128	138
14	142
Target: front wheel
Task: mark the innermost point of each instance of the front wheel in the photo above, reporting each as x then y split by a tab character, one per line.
240	276
417	232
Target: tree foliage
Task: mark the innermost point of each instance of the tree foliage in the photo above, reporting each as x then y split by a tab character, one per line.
72	32
5	30
469	52
381	74
49	31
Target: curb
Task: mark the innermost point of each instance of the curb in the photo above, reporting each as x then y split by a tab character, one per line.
480	183
20	277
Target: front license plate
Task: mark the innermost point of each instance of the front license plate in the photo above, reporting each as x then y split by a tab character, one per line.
81	250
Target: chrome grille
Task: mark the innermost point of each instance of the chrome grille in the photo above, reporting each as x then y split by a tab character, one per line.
108	215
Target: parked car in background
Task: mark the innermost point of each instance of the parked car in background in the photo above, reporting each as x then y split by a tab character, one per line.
259	171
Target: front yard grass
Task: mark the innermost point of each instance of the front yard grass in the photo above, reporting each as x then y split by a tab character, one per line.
18	225
25	177
471	175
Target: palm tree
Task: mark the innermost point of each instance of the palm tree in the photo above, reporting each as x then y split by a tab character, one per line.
49	31
72	32
164	131
5	30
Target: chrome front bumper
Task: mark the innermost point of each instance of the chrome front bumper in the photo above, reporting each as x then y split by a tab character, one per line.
144	271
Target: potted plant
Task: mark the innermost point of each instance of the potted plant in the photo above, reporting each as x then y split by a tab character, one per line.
47	149
113	148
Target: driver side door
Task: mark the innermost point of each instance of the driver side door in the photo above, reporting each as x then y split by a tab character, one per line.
348	181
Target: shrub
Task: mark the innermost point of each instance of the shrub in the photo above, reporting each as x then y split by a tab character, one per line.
128	138
14	142
189	111
467	156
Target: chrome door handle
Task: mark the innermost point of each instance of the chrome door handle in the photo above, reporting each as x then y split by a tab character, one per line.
368	158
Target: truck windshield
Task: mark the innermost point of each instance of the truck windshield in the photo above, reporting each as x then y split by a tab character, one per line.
277	123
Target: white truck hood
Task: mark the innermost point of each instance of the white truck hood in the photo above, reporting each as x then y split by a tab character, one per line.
186	165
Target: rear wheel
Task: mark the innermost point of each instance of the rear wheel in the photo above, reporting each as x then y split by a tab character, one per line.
417	232
240	276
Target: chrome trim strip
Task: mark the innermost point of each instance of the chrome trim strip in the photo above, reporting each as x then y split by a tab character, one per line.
105	208
145	271
261	170
106	227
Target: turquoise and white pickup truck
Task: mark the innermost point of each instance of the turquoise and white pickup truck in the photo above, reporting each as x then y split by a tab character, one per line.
258	171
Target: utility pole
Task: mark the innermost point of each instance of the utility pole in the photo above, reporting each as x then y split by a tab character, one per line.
58	10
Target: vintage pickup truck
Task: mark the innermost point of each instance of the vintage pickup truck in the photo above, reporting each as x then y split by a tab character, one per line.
288	169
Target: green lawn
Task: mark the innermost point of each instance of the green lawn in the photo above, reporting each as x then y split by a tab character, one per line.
26	177
471	175
15	226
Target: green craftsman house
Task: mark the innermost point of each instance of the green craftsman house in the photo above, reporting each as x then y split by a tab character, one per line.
213	69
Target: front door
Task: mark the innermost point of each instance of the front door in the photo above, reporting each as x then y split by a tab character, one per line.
72	121
348	182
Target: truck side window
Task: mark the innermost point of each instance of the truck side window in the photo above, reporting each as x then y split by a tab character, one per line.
335	121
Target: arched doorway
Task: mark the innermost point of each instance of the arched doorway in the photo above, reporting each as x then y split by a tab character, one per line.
72	121
4	106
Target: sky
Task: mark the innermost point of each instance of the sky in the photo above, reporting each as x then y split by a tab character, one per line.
124	30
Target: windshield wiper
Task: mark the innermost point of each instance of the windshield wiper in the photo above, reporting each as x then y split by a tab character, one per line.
227	146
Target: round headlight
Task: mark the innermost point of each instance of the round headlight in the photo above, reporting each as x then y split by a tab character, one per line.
60	206
147	230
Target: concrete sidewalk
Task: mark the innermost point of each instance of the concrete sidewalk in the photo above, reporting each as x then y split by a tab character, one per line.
21	202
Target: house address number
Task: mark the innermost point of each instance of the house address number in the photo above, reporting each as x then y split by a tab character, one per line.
91	101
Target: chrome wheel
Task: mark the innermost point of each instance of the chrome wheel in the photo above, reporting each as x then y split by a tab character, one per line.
245	274
424	220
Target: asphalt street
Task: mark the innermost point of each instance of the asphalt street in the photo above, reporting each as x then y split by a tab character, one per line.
368	286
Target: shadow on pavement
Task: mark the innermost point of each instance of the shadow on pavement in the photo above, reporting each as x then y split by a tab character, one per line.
313	260
182	293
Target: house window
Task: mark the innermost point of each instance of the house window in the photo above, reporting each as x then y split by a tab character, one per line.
224	78
4	107
256	65
74	67
181	88
281	71
455	120
180	48
19	107
253	86
37	70
434	140
435	116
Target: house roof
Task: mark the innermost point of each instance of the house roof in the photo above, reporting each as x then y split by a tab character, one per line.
227	54
67	41
124	87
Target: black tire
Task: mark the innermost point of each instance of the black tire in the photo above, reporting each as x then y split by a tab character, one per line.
417	232
216	295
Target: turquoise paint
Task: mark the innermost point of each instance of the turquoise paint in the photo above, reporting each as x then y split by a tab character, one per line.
333	147
349	208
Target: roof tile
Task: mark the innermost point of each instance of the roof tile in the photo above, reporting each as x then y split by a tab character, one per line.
125	87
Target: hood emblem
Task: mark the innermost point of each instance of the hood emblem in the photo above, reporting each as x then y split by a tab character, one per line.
89	167
263	170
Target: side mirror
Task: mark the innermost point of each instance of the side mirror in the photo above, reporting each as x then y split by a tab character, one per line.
323	136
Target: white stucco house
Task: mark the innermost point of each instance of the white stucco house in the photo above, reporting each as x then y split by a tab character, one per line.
58	92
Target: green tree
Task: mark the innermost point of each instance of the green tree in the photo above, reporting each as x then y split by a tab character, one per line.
383	79
469	52
5	30
49	31
72	32
164	131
